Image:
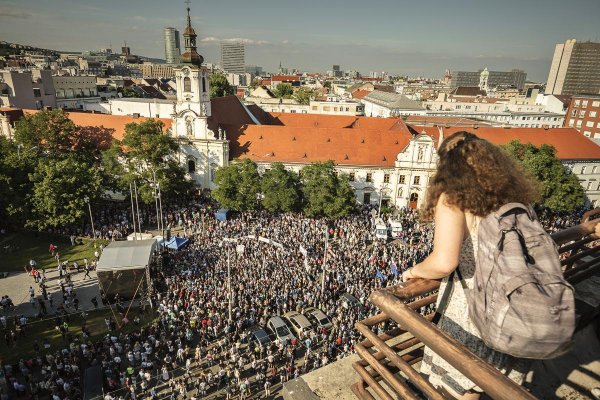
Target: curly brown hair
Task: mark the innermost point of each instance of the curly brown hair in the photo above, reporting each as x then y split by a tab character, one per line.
477	176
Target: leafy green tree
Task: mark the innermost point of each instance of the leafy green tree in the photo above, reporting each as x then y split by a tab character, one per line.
59	191
303	95
15	166
238	186
561	190
281	189
219	86
326	193
54	135
146	153
283	91
327	84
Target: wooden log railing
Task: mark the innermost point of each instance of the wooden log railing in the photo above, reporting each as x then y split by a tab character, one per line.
386	368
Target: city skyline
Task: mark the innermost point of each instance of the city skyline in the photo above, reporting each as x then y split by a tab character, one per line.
398	37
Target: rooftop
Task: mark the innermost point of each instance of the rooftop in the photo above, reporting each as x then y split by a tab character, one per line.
392	100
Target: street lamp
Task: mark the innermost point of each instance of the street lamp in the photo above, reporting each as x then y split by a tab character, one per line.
87	200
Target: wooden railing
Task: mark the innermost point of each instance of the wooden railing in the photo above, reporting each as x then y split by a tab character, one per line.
386	369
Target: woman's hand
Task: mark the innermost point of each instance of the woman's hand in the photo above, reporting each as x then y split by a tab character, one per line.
406	275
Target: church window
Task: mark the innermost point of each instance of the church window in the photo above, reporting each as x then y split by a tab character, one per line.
402	179
203	85
417	180
191	166
386	178
187	84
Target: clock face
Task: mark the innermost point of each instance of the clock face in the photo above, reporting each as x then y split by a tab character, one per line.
186	71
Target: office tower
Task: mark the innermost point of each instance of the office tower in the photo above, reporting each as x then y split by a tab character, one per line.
172	46
575	68
233	57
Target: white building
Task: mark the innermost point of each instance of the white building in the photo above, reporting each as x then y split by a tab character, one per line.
75	92
385	104
27	89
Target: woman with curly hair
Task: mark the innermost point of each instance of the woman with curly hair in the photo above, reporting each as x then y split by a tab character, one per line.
473	179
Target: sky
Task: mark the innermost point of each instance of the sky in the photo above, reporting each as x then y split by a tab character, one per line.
415	38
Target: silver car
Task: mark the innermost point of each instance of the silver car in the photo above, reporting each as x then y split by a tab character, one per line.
318	318
279	328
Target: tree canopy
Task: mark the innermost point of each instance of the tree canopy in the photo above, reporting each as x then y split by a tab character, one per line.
238	186
283	91
326	193
146	153
219	86
303	95
281	189
561	190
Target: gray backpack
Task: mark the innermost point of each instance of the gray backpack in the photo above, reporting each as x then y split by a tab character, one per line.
520	302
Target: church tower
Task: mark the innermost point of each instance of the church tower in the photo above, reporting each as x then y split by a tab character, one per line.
205	150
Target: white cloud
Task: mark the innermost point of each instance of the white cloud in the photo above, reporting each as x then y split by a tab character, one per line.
13	12
213	39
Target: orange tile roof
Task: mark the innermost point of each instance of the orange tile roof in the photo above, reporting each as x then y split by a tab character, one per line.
569	144
359	94
297	144
116	123
278	78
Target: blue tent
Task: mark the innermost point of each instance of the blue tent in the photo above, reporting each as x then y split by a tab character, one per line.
221	215
176	243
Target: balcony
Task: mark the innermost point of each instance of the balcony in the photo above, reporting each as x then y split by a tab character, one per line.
387	364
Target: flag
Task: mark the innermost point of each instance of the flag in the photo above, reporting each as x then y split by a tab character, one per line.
380	275
394	268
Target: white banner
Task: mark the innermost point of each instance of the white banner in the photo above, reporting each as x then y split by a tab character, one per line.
303	251
264	239
240	248
276	244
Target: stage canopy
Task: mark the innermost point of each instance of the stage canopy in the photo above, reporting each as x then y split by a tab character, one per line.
128	254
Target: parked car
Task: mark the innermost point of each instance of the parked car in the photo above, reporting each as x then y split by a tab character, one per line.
318	318
258	336
348	301
298	322
277	325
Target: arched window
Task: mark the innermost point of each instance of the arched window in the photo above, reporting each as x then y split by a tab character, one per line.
191	166
203	85
187	84
213	171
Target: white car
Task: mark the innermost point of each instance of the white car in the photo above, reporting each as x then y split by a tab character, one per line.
279	328
318	318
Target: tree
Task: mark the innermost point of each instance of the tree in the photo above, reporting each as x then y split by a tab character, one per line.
326	193
253	84
146	153
327	84
238	186
561	190
59	192
303	95
281	189
283	91
15	167
219	86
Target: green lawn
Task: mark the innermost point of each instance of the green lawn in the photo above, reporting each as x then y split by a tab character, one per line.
27	245
46	328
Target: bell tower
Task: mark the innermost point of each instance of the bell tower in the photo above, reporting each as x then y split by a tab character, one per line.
204	149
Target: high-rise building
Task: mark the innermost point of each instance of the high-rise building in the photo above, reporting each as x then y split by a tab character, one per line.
515	77
575	69
172	46
233	57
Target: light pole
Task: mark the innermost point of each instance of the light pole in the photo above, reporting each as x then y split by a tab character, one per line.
87	200
324	262
155	187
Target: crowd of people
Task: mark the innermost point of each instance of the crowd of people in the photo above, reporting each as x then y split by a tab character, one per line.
277	264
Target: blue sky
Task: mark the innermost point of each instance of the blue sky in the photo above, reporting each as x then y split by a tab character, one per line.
398	36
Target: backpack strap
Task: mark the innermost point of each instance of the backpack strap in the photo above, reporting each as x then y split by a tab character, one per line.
446	295
507	208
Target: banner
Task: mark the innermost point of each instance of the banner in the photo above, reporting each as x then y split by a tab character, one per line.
303	251
264	239
240	248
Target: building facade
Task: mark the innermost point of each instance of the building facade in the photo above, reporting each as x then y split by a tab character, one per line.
27	89
575	68
584	115
172	46
233	57
515	77
385	104
73	91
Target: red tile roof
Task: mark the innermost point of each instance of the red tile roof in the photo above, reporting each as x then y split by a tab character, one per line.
569	144
359	94
312	121
116	123
281	78
295	144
